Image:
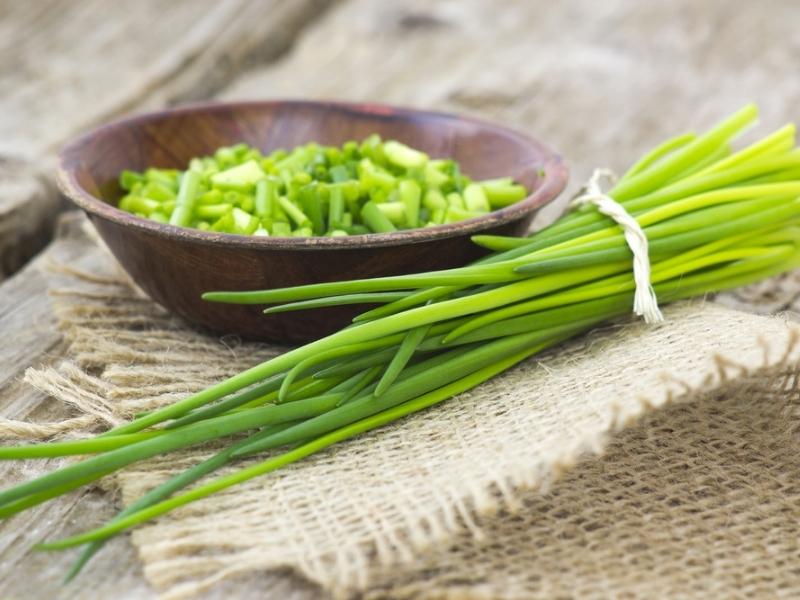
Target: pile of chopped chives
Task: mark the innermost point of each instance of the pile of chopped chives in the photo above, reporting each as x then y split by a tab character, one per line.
313	190
716	219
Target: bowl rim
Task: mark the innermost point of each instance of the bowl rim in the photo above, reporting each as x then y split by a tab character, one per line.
555	169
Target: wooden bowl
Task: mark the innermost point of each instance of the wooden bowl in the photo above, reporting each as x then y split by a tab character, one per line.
175	265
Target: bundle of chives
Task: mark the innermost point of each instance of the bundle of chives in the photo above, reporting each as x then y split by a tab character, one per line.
715	220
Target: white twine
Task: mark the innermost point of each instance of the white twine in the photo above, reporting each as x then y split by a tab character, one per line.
645	303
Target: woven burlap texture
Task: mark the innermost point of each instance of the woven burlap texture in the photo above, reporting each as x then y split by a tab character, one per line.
633	461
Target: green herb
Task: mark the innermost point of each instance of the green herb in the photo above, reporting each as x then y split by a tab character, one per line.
716	219
372	187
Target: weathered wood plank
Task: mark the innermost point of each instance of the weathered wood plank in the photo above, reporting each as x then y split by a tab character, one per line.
601	81
66	66
34	575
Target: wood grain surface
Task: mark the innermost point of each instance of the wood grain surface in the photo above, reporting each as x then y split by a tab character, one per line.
601	81
66	66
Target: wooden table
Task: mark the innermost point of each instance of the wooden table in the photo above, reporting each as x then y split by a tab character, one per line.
602	81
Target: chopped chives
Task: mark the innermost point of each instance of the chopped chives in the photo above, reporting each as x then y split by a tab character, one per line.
375	219
322	189
184	205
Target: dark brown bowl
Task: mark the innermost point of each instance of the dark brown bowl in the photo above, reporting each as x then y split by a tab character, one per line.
175	265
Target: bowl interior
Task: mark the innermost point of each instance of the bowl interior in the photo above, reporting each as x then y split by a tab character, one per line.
172	138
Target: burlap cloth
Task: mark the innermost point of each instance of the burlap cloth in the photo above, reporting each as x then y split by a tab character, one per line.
634	461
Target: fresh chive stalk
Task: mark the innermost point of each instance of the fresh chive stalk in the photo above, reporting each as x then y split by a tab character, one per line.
715	218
